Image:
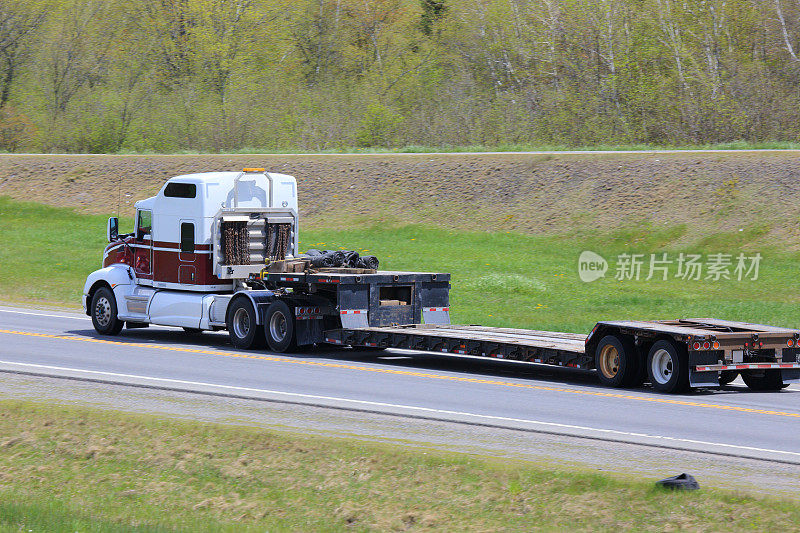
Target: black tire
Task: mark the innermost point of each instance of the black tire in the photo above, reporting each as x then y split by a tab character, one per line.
727	376
668	367
242	328
279	327
104	312
617	362
193	331
763	380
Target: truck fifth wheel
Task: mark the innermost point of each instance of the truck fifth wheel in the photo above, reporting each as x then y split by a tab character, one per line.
219	251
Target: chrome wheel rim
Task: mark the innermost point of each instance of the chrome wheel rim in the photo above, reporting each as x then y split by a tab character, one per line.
662	366
102	311
609	361
278	326
241	323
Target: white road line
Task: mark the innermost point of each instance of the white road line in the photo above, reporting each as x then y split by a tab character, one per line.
73	317
412	408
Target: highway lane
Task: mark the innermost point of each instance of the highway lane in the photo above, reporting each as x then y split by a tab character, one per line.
732	421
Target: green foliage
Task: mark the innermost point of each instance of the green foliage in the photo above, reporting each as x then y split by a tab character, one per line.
316	75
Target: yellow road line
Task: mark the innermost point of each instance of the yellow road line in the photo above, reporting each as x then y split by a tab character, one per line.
406	373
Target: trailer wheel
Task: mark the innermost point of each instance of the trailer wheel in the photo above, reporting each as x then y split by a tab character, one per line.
242	328
763	380
727	376
104	312
616	361
668	367
279	327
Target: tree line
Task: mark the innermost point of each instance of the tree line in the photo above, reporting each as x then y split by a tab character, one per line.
227	75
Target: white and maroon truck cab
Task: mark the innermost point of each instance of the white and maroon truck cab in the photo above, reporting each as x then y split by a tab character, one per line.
168	271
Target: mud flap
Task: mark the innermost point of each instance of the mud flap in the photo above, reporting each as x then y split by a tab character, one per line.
790	375
354	318
308	332
436	315
703	379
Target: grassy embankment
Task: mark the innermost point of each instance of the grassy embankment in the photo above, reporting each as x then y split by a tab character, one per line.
508	147
504	279
67	469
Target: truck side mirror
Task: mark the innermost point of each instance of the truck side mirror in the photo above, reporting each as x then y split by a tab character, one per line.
112	229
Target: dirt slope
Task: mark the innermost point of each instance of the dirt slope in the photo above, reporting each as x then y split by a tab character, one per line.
707	193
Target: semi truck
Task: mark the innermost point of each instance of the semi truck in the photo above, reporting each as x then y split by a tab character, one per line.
220	251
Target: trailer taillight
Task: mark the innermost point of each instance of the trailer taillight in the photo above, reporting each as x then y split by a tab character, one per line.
696	346
706	345
790	343
716	345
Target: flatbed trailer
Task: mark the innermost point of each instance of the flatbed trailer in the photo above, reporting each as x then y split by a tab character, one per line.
671	354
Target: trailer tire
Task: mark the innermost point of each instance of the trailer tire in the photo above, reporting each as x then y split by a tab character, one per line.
727	376
763	380
279	328
104	312
668	366
243	330
616	361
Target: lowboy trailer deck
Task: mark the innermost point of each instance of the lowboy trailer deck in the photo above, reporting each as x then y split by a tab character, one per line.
671	354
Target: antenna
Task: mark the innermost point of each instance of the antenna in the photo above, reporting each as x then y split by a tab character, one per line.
119	193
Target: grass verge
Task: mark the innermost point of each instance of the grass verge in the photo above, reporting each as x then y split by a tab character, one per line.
79	469
503	279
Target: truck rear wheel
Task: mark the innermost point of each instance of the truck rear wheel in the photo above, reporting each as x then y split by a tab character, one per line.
763	380
242	327
668	366
104	312
616	361
279	327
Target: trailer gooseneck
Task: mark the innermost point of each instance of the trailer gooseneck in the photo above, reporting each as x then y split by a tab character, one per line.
220	251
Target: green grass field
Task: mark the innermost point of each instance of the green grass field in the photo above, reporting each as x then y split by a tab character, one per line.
67	469
503	279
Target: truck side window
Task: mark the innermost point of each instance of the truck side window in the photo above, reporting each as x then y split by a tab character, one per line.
145	223
187	237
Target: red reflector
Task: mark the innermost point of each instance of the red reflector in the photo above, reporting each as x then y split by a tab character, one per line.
746	344
760	344
696	346
706	345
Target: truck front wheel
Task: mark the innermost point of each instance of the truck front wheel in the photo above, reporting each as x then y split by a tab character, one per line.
279	328
104	312
242	327
616	361
668	367
763	380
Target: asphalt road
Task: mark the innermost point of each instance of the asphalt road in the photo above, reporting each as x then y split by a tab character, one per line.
495	394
